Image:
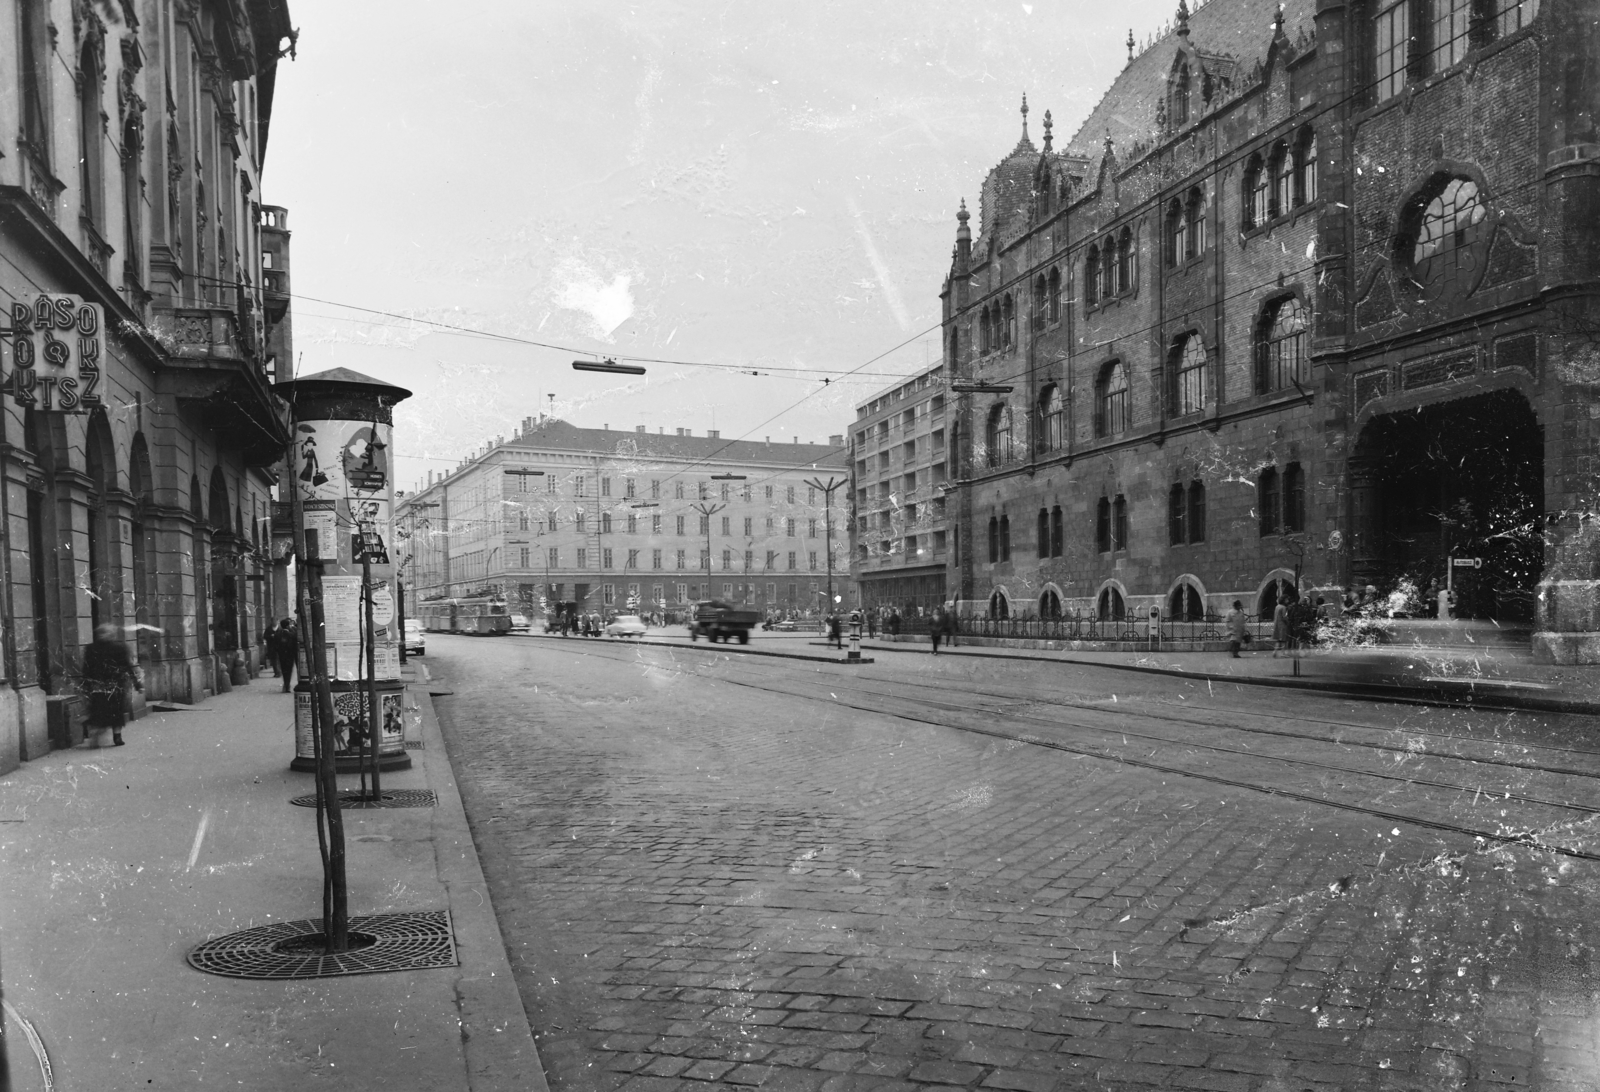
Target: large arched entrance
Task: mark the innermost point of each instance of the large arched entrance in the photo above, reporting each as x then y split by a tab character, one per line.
1461	479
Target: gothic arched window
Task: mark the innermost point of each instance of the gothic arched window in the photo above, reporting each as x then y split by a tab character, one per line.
1189	368
1281	346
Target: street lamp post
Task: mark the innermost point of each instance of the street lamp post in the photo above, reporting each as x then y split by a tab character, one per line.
827	523
706	512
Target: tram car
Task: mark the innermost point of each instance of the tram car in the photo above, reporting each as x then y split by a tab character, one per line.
481	616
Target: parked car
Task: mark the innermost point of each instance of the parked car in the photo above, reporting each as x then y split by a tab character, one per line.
414	638
625	625
519	622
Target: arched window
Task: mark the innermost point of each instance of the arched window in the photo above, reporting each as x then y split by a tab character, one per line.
999	435
1102	526
1255	193
1008	323
1447	236
1055	295
994	539
1185	604
1177	232
999	606
955	345
1197	512
1189	376
1044	532
1111	401
1283	172
1177	516
1049	604
1180	95
34	67
1041	306
1294	499
1194	214
89	135
1125	260
132	198
1306	160
1052	419
1058	536
1281	346
1267	501
1119	522
1110	607
985	335
1091	277
1108	267
1005	538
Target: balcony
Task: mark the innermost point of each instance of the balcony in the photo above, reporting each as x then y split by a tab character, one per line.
216	370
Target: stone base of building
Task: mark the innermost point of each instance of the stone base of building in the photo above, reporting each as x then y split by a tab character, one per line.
1566	648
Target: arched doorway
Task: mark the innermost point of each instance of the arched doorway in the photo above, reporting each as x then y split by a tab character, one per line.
1184	604
999	605
1460	479
1111	607
1050	604
1276	590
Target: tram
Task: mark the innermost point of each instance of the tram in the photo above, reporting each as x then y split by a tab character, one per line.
482	616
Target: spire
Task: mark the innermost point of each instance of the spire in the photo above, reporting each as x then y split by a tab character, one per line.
962	216
963	252
1130	45
1277	24
1024	117
1183	19
1047	130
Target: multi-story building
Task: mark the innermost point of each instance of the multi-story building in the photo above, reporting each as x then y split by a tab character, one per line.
1309	297
139	430
899	472
618	521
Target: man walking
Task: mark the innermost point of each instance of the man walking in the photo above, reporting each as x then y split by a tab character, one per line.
936	630
1237	633
107	670
286	648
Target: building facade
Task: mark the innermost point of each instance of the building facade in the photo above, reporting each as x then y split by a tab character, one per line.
139	493
899	458
632	522
1308	298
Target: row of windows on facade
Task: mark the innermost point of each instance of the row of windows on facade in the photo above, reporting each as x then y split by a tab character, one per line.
580	524
1412	39
630	489
687	593
919	415
1280	507
911	546
909	483
606	558
910	514
883	401
932	444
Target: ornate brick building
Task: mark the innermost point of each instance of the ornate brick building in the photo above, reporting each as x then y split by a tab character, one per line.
130	196
1309	296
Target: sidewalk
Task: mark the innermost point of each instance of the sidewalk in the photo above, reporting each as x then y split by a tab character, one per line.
118	861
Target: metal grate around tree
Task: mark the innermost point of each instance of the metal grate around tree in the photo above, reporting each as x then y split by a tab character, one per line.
390	798
294	949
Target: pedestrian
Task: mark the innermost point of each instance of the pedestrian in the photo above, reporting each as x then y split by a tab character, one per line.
269	641
936	631
286	648
107	669
872	624
1280	624
1238	632
834	631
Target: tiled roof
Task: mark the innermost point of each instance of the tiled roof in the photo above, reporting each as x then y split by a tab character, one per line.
1240	30
555	434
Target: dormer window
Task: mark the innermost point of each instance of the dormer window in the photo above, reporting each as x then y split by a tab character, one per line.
1180	95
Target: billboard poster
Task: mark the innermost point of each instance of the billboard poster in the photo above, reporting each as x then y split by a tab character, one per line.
350	723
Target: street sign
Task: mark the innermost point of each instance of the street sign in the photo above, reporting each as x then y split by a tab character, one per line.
1467	562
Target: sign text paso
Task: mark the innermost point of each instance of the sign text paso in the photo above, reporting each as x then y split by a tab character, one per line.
56	344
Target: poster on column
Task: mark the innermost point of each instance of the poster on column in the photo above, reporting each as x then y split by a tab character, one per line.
347	463
344	615
321	517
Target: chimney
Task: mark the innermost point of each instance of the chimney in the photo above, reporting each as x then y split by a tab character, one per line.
769	441
605	428
713	434
835	441
661	430
685	432
797	439
638	428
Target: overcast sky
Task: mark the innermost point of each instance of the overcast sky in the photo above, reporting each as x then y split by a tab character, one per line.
750	185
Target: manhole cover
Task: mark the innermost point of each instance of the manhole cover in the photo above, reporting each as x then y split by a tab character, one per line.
390	798
293	949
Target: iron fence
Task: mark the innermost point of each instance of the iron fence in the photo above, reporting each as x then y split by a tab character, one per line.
1090	626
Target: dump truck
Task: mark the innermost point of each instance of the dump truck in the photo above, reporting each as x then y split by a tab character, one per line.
716	620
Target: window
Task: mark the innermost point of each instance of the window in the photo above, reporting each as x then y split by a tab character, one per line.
1091	276
1185	604
1110	606
1189	376
1194	213
1180	95
1267	501
1255	193
605	487
812	557
680	525
582	519
1283	176
1281	358
608	594
1197	512
999	435
1177	232
1391	29
1111	401
583	558
550	483
1052	419
1044	532
790	494
994	539
35	71
655	563
633	524
89	135
655	489
811	493
1177	516
726	522
811	528
725	490
1294	499
133	197
1444	235
577	485
522	521
678	491
628	488
1512	15
1058	538
1306	160
1054	296
682	559
772	559
705	525
655	525
1119	523
633	559
1449	32
704	490
1125	276
553	557
1005	538
705	560
605	523
605	558
788	528
791	560
1108	268
526	558
1008	323
749	560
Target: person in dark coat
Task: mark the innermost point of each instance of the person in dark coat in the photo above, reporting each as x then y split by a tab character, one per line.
285	650
107	669
834	631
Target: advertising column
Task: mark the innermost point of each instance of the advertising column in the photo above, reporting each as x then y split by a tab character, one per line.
342	469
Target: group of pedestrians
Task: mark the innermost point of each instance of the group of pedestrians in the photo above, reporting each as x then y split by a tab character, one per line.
283	650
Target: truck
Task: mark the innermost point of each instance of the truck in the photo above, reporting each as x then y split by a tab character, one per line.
716	619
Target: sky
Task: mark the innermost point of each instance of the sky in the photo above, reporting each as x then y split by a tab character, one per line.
729	187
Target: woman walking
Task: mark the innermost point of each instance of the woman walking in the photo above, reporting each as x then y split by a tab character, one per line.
107	668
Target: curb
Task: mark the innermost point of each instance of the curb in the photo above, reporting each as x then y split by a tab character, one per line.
497	1040
743	650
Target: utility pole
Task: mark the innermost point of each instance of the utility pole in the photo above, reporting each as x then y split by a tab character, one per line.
706	512
827	522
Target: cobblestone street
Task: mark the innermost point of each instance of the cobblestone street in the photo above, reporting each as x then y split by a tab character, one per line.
700	882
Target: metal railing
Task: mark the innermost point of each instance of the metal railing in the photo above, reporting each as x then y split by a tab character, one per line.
1090	626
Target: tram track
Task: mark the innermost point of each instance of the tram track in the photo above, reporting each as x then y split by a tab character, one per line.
931	709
